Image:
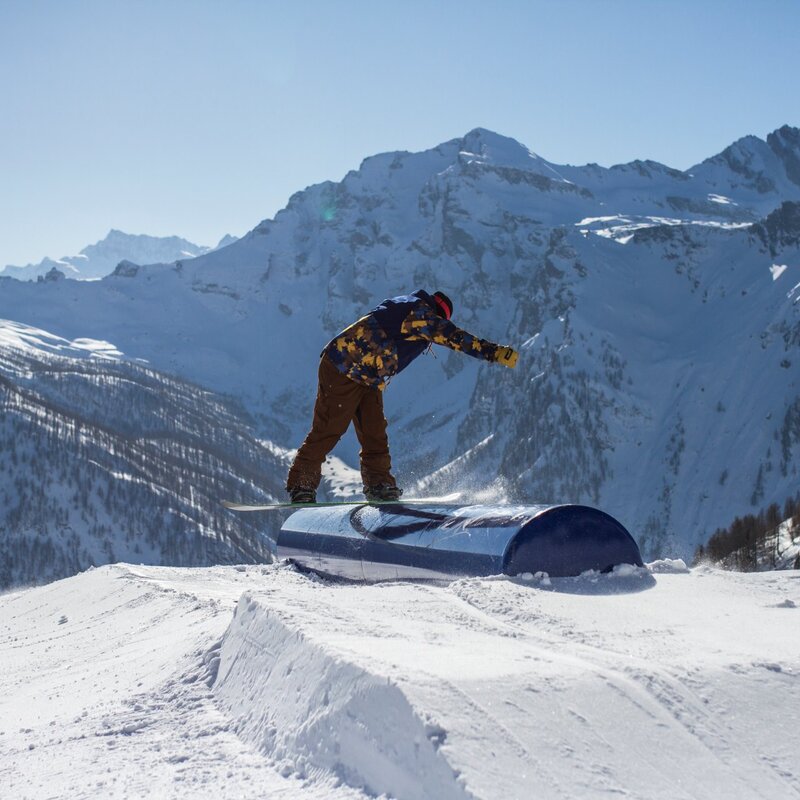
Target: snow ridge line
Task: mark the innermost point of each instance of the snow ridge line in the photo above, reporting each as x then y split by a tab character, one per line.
316	714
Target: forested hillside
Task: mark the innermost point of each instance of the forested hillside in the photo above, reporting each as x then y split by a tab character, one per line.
103	460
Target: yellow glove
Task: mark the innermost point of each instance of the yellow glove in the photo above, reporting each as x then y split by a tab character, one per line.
507	356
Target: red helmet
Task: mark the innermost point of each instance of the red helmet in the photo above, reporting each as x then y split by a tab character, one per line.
445	304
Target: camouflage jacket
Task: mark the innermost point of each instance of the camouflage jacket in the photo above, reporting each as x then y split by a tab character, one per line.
391	336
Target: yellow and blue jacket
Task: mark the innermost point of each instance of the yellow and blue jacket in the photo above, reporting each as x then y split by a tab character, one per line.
391	336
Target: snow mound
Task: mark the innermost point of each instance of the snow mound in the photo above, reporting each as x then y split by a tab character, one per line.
308	710
667	566
500	687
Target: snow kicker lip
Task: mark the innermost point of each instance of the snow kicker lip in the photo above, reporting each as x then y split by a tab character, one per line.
310	709
441	542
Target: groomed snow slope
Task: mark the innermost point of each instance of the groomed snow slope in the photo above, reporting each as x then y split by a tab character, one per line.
129	681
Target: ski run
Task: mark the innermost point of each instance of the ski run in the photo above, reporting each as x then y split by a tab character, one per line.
262	682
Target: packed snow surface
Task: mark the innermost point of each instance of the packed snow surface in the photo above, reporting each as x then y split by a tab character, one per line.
131	681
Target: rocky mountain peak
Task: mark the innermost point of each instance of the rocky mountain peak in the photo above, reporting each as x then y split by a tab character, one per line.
485	146
54	274
785	143
747	158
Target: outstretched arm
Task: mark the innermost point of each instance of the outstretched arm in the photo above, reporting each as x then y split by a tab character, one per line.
426	324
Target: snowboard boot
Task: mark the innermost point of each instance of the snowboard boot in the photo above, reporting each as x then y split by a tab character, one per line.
302	494
382	491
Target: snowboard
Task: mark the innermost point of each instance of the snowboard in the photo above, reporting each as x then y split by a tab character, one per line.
450	498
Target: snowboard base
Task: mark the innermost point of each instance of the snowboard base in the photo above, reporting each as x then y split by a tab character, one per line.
450	498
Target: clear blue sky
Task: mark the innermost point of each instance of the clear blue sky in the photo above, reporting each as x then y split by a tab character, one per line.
202	117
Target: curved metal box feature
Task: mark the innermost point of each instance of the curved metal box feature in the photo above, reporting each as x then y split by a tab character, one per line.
444	541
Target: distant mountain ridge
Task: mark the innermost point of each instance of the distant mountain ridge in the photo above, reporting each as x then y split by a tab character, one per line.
99	259
656	311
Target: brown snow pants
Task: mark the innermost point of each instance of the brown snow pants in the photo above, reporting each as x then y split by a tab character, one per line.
339	402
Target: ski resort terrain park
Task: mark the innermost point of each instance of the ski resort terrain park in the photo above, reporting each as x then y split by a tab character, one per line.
249	682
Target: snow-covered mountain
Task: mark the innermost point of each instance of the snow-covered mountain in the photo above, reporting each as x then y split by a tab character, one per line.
104	459
657	312
99	259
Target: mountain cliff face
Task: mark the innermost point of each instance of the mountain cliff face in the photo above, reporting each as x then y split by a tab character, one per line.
102	459
656	312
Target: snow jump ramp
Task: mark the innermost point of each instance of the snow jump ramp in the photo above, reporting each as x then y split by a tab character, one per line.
400	541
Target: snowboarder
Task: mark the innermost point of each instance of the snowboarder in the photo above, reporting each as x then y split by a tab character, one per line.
353	371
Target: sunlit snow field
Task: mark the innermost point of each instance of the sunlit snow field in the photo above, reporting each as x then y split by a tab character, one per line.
131	681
